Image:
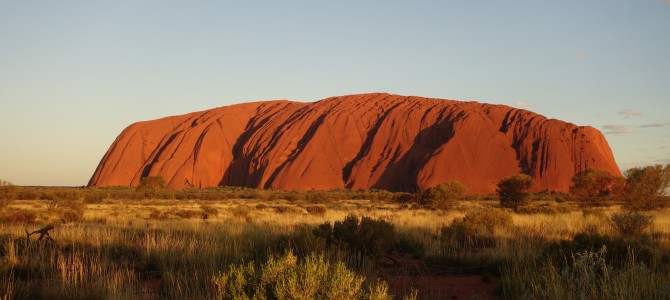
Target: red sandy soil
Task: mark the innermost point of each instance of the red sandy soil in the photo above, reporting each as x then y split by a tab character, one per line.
445	287
359	141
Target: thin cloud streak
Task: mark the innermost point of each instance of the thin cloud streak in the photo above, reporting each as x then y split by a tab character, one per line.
627	113
521	104
616	129
654	125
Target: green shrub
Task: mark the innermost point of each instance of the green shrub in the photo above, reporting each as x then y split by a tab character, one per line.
285	278
619	251
261	206
316	210
585	274
27	194
94	197
67	194
537	209
17	216
152	183
157	215
402	197
592	185
630	223
208	210
284	209
318	196
443	195
646	186
187	213
478	228
595	213
367	236
381	195
513	190
69	211
8	193
189	194
71	215
242	212
294	196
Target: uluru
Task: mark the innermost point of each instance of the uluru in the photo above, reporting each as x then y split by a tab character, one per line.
365	141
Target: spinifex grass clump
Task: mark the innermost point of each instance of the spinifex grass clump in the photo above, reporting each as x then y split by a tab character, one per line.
585	275
620	251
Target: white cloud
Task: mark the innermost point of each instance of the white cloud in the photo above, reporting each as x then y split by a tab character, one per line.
616	129
654	125
521	104
627	113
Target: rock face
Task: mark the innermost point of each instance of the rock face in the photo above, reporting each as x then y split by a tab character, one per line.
363	141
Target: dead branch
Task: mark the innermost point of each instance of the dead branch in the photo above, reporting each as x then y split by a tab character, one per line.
44	232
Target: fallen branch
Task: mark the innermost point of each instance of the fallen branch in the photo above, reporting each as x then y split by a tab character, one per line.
44	232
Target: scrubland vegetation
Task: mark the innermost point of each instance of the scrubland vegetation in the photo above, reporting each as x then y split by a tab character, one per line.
235	243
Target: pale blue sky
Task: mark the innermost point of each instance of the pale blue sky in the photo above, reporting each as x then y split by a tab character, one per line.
73	74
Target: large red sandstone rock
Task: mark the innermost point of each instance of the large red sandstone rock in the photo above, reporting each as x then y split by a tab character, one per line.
360	141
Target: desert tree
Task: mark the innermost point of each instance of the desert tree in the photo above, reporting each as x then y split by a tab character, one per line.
591	185
152	183
513	190
646	186
444	195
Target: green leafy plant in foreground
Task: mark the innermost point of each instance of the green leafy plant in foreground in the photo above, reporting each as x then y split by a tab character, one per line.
286	278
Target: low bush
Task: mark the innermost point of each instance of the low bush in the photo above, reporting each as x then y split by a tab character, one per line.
68	211
8	193
537	209
443	195
241	212
286	278
209	210
513	190
316	210
630	223
404	197
71	215
157	215
478	228
152	183
17	216
187	214
261	206
619	250
586	274
594	212
27	194
318	196
283	209
366	236
94	197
